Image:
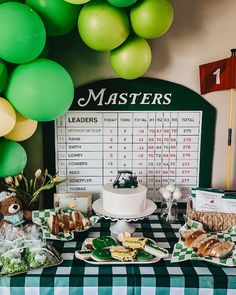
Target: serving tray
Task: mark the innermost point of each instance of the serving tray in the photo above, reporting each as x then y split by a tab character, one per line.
56	255
114	261
40	217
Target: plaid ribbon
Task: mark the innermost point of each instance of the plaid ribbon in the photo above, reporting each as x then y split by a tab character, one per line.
75	277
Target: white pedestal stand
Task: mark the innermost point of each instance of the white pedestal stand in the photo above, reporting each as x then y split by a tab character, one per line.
122	222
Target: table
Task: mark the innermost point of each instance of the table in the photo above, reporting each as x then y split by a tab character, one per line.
75	277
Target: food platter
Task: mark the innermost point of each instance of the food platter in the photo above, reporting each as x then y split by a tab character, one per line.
40	217
118	262
181	252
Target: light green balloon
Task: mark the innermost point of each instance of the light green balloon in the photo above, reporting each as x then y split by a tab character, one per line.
41	90
59	17
13	158
22	33
3	75
132	59
151	18
102	26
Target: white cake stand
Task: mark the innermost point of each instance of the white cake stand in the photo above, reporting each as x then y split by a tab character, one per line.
122	221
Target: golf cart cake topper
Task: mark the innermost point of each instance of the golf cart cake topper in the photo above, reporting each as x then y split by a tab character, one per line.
125	179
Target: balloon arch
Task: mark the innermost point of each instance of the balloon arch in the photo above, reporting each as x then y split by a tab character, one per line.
39	89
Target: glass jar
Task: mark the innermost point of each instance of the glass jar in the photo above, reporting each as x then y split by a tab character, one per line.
169	210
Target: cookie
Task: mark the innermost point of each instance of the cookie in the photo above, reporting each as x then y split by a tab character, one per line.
123	254
88	244
155	250
122	236
103	242
101	255
143	255
83	254
134	242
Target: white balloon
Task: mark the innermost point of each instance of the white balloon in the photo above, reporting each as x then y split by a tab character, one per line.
170	188
166	194
177	194
161	190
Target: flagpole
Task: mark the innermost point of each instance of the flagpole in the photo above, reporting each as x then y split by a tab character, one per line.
231	107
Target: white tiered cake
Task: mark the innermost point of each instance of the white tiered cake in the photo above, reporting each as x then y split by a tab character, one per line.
124	201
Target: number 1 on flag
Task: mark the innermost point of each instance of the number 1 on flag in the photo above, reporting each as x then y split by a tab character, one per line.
216	76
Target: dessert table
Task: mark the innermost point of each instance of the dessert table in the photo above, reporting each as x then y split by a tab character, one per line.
75	277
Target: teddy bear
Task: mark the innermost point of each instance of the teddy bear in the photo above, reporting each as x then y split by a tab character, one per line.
11	209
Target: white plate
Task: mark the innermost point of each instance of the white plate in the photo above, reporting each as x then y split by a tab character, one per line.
150	208
155	259
114	261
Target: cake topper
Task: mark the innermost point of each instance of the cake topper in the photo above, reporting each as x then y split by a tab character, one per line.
125	179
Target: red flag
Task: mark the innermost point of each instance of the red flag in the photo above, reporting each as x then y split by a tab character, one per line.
218	75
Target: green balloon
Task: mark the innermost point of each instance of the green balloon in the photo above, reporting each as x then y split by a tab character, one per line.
41	90
59	17
3	1
132	59
3	75
102	26
122	3
13	158
45	51
151	18
22	33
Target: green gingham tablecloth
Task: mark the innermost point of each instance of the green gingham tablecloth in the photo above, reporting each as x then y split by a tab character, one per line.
75	277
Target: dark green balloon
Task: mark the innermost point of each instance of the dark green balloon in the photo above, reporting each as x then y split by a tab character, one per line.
3	1
41	90
122	3
3	75
22	33
13	158
59	17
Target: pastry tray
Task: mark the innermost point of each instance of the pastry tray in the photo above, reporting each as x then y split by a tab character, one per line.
56	255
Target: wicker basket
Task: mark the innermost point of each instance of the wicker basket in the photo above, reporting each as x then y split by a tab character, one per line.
211	221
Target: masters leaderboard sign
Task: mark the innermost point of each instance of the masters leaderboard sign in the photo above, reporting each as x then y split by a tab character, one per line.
162	131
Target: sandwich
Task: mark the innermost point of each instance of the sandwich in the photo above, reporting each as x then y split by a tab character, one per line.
53	224
194	237
222	250
65	223
206	245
